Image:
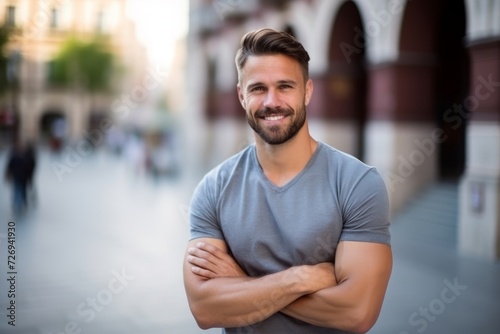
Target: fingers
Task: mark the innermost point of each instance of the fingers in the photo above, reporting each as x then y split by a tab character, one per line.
197	259
210	253
205	259
210	262
209	248
202	253
202	272
201	267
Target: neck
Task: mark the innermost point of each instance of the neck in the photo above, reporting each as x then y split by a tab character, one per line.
281	163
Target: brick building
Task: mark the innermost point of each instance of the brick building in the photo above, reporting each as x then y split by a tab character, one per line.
40	27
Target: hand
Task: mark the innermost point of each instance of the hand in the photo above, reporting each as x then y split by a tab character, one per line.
316	277
325	275
210	262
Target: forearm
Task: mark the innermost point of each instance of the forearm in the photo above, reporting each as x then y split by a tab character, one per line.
335	307
220	293
354	303
241	301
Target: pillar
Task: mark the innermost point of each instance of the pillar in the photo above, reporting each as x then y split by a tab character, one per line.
335	110
401	135
479	212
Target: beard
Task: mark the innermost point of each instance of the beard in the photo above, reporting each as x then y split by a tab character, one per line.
278	134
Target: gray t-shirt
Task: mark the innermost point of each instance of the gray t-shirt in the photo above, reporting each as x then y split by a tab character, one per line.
269	228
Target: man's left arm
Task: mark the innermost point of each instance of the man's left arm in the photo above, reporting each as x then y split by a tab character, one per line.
362	270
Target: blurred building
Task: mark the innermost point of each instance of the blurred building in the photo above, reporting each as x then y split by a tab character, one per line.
39	29
409	86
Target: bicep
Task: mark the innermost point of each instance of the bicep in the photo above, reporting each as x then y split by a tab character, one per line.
366	268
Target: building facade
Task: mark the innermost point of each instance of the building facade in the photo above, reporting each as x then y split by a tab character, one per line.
39	29
409	86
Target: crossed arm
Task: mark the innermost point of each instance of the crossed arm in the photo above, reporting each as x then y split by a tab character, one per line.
347	295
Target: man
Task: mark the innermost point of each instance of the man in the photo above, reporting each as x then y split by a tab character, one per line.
290	235
19	170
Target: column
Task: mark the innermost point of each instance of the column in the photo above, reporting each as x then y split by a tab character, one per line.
479	212
401	135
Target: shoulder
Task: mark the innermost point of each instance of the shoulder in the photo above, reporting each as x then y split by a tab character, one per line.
349	175
220	175
344	164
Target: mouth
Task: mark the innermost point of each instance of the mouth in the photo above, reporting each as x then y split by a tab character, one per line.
274	117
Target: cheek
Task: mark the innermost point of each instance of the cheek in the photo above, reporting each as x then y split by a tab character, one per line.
252	104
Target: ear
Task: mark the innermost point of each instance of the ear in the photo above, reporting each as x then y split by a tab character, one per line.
240	96
309	91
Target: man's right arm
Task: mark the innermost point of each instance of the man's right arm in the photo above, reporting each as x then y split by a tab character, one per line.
242	301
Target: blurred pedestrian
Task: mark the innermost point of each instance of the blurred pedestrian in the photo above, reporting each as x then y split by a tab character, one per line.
58	132
30	155
19	172
135	153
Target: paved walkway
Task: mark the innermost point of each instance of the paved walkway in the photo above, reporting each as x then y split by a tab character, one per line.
102	253
435	290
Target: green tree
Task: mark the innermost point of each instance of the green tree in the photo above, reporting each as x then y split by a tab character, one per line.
4	59
87	66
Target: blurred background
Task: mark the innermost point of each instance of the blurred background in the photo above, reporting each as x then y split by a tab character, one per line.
111	111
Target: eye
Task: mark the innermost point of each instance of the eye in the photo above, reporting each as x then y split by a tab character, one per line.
285	86
257	89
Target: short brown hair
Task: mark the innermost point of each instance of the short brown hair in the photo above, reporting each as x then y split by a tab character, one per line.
267	41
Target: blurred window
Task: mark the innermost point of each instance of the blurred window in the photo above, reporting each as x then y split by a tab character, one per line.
54	18
49	72
11	16
100	22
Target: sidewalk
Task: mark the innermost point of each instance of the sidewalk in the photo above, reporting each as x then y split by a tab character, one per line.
101	253
435	290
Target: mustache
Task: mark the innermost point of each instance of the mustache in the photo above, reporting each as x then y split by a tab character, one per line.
266	112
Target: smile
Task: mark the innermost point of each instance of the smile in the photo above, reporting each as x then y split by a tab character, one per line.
274	118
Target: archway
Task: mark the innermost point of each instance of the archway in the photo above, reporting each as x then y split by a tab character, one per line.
437	80
53	128
453	85
346	80
9	126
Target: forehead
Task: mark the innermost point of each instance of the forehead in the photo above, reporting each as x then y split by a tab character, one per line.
271	68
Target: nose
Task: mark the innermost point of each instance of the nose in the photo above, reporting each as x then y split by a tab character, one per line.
272	99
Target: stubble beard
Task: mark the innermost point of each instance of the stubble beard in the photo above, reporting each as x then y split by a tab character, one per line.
276	134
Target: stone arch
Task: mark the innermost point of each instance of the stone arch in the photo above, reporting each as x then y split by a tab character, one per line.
53	127
435	72
9	126
340	91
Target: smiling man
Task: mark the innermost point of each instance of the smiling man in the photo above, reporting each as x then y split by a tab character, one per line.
290	235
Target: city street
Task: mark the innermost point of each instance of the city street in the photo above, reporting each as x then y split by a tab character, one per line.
101	252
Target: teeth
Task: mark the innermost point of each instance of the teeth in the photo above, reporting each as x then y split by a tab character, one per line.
273	118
